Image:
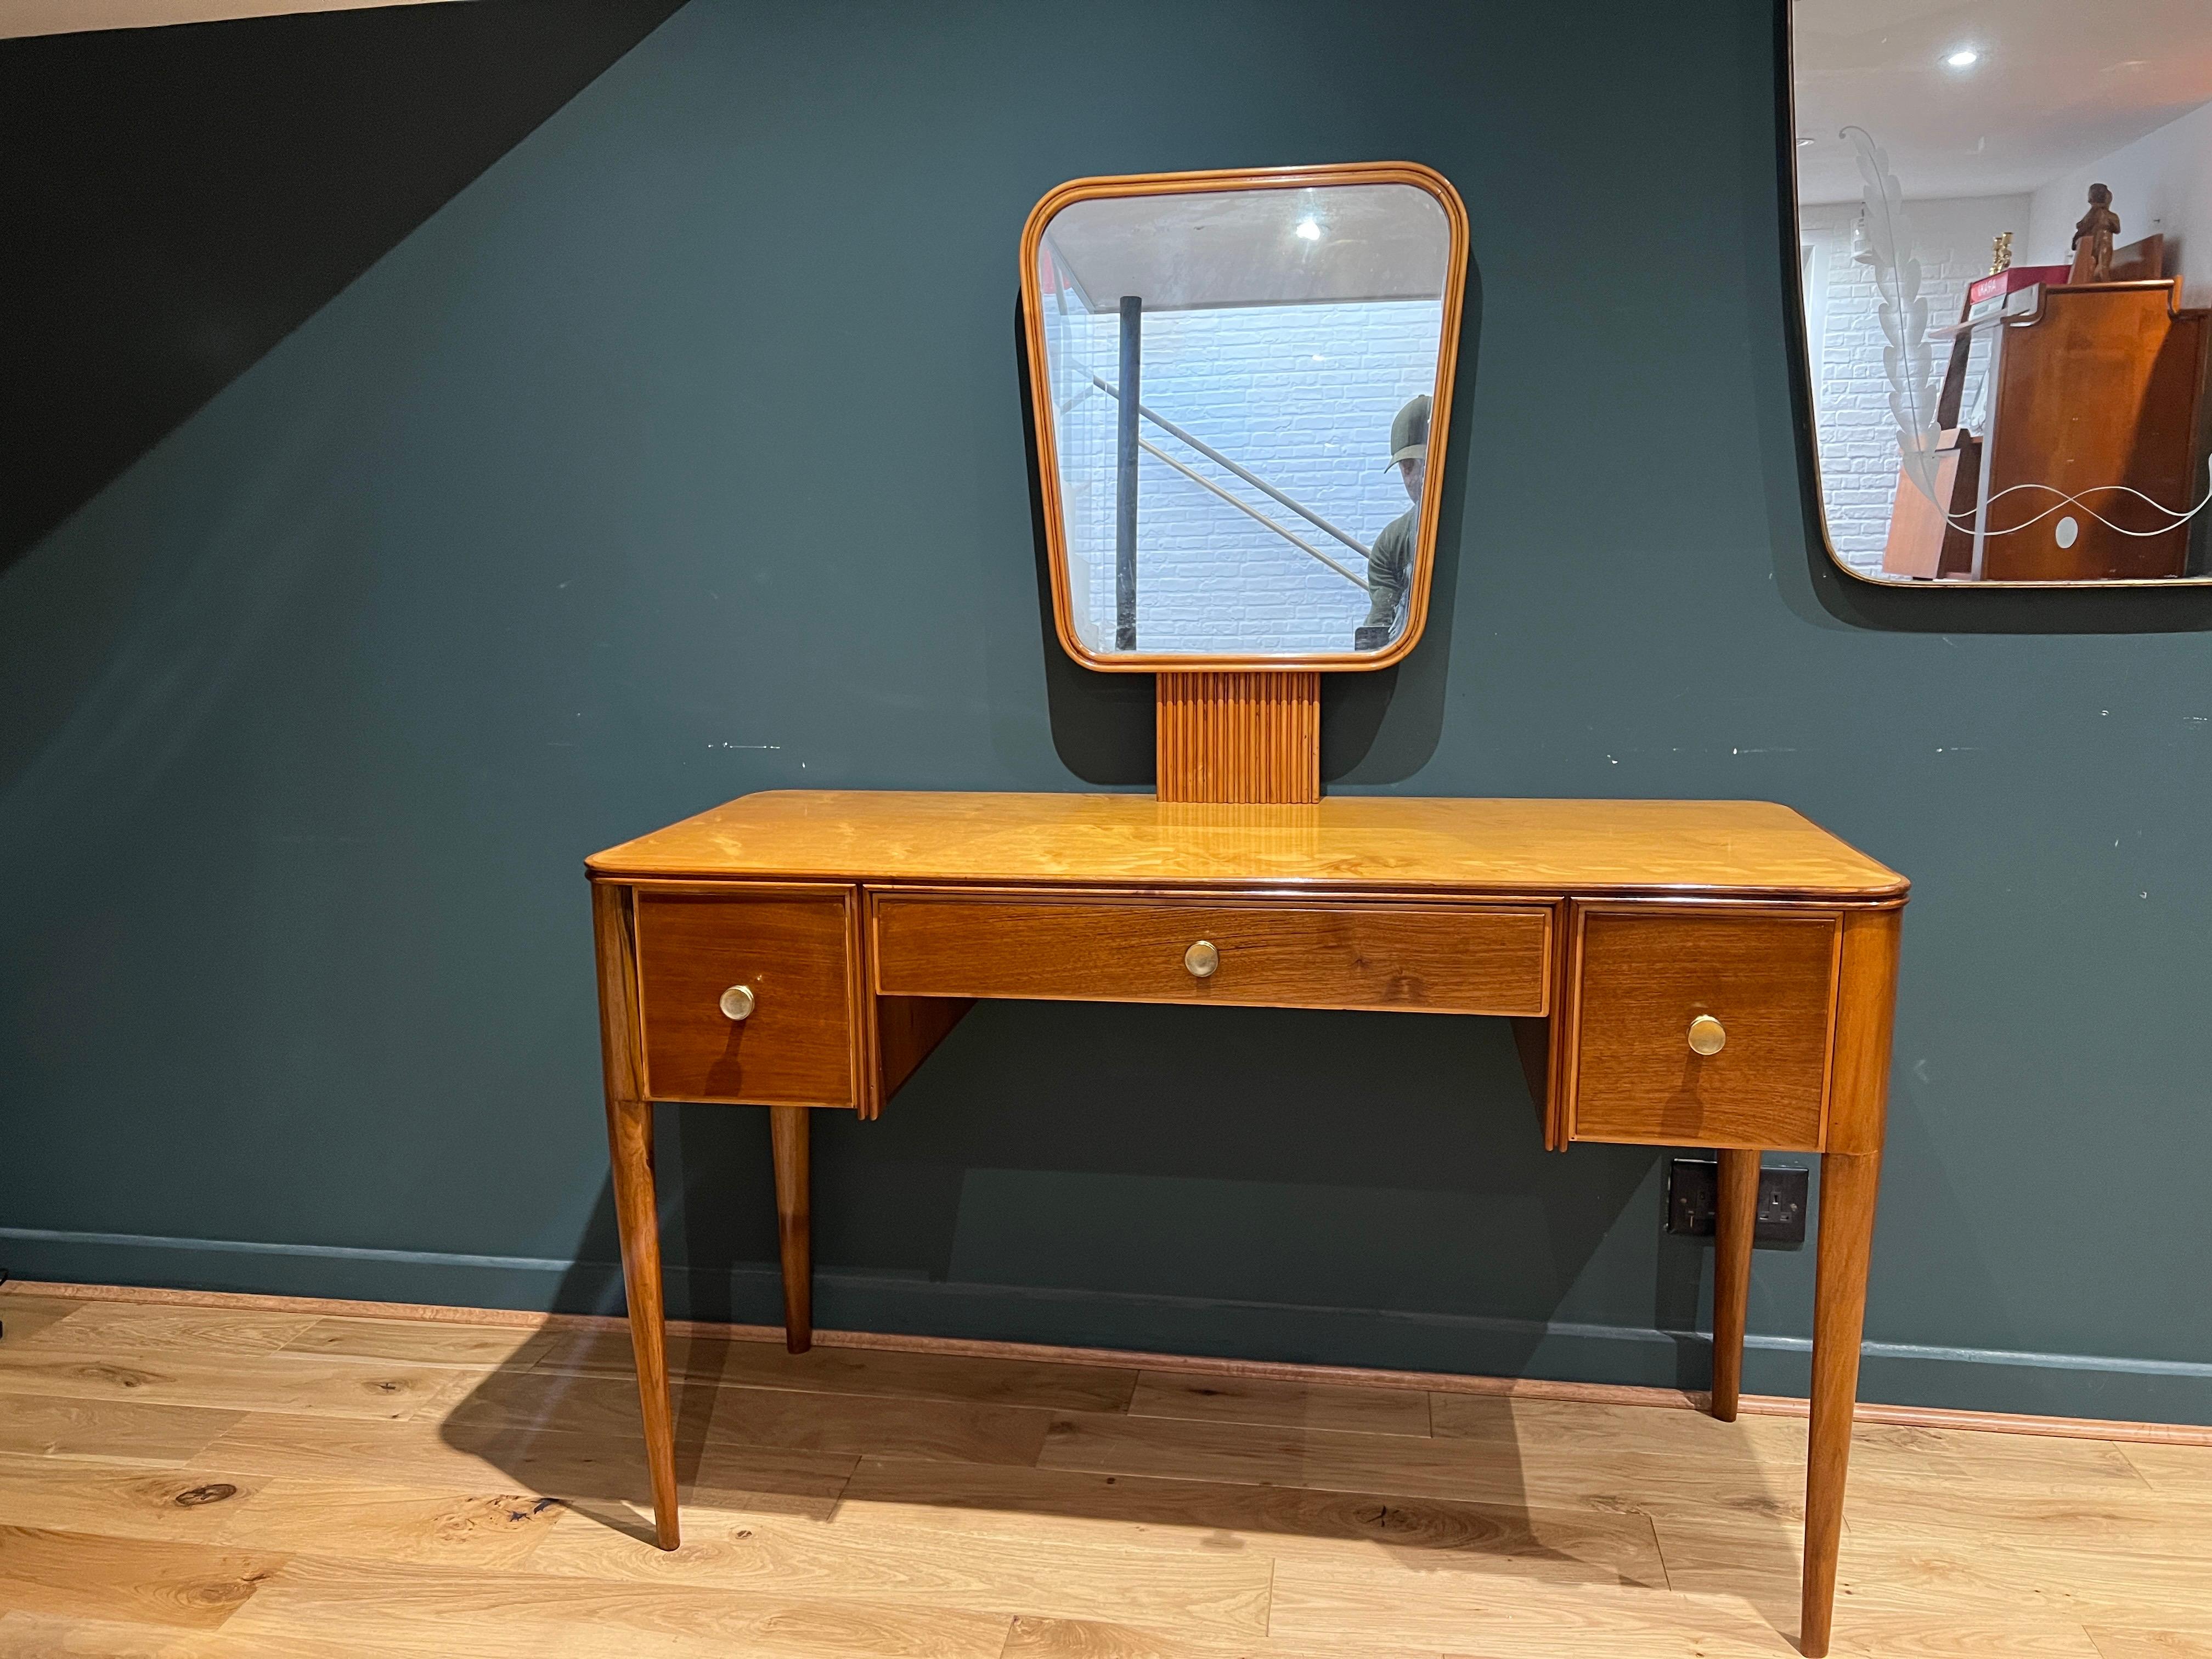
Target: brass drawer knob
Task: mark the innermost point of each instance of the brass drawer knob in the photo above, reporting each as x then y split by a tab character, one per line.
737	1001
1201	959
1706	1035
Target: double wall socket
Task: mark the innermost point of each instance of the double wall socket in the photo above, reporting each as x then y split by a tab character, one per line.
1693	1193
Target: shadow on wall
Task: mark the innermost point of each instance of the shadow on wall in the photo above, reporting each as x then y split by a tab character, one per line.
1377	728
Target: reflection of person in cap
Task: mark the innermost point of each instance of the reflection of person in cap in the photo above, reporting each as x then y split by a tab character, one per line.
1390	566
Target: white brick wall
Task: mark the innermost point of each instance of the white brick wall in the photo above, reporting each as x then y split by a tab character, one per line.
1301	395
1858	436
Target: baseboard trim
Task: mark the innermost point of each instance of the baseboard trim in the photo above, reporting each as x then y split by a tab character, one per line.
1519	1387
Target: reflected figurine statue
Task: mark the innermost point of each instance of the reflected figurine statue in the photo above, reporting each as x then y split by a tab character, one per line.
2093	239
1390	566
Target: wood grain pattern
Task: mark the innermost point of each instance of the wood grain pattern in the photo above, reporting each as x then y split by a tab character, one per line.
1048	483
1866	1019
68	1427
773	1418
1431	959
1254	1400
339	1388
1230	736
146	1580
1734	1221
2102	385
1637	980
629	1161
1517	848
201	1331
1545	1528
194	1505
907	1030
791	1139
893	1373
796	1049
1849	1182
1091	1638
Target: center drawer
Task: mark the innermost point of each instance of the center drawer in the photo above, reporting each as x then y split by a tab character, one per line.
1445	959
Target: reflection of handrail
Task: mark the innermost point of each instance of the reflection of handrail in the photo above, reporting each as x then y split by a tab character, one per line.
1253	479
1157	453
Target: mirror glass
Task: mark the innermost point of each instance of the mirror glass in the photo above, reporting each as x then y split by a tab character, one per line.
2005	243
1238	391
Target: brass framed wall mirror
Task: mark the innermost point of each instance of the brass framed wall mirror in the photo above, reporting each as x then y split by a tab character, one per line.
2004	260
1242	383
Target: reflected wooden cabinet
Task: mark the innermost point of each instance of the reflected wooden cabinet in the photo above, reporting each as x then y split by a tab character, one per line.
1701	973
2093	445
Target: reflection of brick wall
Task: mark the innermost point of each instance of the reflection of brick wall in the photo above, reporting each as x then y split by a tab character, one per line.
1301	395
1858	436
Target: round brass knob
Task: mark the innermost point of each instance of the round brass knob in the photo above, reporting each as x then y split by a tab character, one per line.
1706	1035
1201	959
737	1001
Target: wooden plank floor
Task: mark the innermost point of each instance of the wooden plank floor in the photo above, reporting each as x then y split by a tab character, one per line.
180	1482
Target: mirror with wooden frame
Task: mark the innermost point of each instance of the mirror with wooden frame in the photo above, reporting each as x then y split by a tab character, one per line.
1242	383
2005	255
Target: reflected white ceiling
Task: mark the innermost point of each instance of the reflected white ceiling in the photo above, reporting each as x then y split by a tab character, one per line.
2057	84
1336	244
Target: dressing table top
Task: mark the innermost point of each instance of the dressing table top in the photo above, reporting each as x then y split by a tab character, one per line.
1727	850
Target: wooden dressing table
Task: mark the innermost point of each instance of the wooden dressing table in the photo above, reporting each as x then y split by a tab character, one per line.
1698	973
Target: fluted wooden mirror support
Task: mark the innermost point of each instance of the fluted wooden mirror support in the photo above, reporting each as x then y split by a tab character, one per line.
1242	383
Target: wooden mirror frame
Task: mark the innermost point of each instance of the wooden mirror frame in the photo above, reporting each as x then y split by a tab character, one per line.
1798	327
1234	726
1427	179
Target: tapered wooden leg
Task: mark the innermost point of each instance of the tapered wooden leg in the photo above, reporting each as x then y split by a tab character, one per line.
1848	1182
1733	1223
629	1146
788	1129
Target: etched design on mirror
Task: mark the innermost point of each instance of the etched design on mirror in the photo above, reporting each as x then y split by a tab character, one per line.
2004	391
1907	361
1239	385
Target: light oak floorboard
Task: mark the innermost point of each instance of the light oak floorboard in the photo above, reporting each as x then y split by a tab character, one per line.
121	1500
2115	1642
1080	1638
1473	1472
929	1505
284	1382
551	1463
2180	1471
422	1610
394	1523
896	1558
137	1329
1498	1619
24	1316
951	1430
1294	1405
41	1636
474	1347
1276	1522
875	1373
139	1580
107	1430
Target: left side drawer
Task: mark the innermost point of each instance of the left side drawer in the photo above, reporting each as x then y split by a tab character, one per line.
794	953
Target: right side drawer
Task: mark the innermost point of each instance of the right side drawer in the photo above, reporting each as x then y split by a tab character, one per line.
1763	981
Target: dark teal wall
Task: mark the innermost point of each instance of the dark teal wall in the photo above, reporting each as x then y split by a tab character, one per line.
681	455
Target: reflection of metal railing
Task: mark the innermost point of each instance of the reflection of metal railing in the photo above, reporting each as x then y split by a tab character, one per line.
1250	477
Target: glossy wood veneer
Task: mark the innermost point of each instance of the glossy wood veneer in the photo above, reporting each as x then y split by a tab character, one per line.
1640	975
1365	843
1604	928
1462	959
1239	737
